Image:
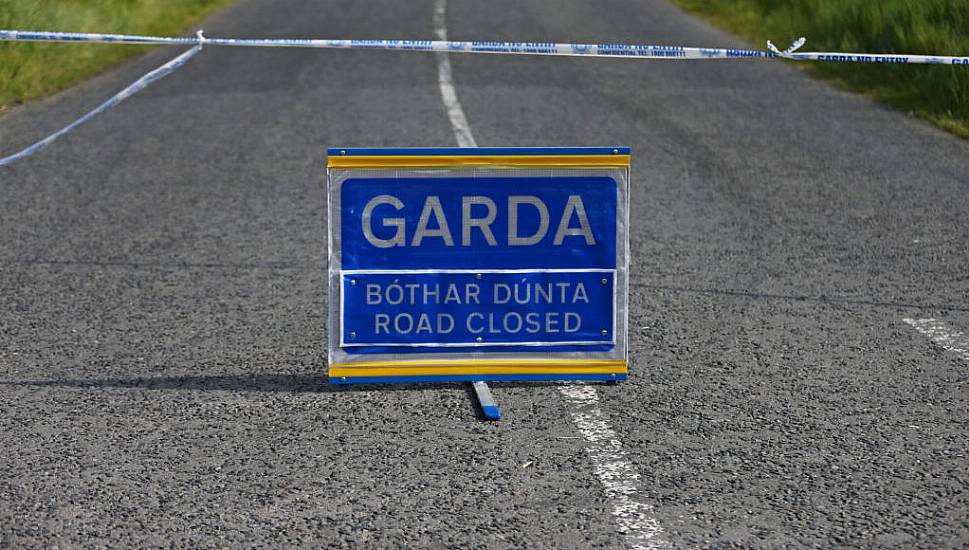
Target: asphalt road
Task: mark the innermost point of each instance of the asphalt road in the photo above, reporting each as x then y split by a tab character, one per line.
162	302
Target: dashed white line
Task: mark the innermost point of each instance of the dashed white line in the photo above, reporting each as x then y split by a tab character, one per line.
635	518
942	335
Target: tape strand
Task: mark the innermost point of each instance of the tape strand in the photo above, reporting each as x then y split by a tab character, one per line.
132	89
629	51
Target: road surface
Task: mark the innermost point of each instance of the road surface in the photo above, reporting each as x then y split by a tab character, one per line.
162	302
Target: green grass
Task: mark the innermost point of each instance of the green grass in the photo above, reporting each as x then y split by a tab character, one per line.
937	93
29	70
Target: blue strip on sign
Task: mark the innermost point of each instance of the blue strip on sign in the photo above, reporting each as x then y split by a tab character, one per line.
445	312
478	378
474	151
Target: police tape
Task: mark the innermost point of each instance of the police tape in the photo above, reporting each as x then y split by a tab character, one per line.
131	90
640	51
637	51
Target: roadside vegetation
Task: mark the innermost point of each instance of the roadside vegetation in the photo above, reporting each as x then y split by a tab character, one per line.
937	93
29	70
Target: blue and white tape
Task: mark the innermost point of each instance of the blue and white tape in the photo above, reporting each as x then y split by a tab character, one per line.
640	51
131	90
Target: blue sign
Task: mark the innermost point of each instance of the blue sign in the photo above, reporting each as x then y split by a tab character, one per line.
477	264
402	312
478	223
484	264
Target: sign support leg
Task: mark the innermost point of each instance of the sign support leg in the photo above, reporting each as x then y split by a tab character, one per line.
486	400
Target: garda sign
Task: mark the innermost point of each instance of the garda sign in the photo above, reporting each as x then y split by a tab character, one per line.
478	264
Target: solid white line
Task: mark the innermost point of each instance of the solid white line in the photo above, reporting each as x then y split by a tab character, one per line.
459	122
634	516
945	338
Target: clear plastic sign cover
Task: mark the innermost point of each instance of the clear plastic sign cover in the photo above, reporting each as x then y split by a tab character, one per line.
477	266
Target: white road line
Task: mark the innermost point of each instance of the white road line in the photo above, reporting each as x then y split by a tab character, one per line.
635	518
462	131
945	338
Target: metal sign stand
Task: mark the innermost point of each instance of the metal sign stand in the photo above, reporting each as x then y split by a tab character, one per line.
487	401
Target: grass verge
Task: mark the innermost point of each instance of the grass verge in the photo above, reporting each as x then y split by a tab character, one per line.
937	93
29	70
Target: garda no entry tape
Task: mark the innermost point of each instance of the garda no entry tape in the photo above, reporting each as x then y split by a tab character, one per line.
640	51
478	264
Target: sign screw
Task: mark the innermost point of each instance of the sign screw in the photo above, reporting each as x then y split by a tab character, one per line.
354	334
353	282
343	152
477	276
343	379
603	281
478	339
615	151
604	332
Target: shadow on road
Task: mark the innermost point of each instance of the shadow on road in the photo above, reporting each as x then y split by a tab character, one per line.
271	383
294	383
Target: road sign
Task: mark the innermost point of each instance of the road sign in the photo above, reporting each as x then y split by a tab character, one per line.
478	264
